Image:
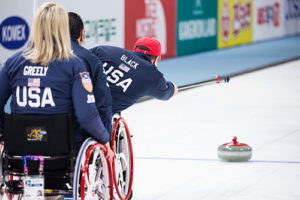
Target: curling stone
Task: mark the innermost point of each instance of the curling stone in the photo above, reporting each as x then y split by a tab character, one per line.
234	151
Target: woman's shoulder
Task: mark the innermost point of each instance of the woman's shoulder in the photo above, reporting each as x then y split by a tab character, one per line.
15	57
14	61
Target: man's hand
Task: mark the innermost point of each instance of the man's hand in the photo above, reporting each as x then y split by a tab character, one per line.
109	154
175	89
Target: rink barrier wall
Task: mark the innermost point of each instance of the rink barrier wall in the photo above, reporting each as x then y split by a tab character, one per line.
183	27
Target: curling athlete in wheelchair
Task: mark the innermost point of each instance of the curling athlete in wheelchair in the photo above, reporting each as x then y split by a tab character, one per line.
131	75
120	138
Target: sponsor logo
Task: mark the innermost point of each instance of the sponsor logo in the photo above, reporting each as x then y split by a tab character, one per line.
268	15
225	21
36	133
14	32
153	24
100	30
194	29
242	17
292	9
198	8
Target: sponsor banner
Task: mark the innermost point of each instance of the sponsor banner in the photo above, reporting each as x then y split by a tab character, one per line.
196	26
14	32
292	16
268	19
234	22
103	20
15	22
153	18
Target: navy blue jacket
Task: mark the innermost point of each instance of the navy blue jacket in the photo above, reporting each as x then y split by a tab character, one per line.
60	87
101	88
131	75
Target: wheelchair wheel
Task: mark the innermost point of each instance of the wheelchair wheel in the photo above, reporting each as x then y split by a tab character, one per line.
123	161
13	196
92	175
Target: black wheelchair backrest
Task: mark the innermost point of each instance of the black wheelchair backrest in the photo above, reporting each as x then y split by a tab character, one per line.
48	135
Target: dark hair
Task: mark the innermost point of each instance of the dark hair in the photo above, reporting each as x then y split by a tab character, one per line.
145	49
75	25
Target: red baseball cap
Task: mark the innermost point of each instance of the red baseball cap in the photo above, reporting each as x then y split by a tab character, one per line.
152	44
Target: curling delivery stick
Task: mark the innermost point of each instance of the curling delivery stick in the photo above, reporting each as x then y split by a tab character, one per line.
218	79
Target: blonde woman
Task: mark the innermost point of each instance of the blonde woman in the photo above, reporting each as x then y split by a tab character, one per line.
46	78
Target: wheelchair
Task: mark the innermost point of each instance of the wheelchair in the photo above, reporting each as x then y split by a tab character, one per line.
39	160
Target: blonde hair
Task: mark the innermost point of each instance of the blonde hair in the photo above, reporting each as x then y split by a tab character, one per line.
49	37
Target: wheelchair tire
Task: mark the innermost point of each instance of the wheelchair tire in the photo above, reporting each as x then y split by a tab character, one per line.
123	162
12	196
92	176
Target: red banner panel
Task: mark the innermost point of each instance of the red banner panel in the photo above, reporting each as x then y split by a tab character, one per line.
152	18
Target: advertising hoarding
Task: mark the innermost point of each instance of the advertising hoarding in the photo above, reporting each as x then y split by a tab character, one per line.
268	19
103	20
292	17
15	21
235	22
196	26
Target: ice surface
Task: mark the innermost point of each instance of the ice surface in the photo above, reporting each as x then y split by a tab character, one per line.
175	142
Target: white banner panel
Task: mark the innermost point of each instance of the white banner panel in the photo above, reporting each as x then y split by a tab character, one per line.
15	22
292	16
103	20
268	19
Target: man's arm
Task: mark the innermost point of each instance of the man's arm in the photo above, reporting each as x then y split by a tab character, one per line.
85	109
102	95
164	90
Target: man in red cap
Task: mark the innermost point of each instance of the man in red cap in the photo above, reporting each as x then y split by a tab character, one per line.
133	74
150	47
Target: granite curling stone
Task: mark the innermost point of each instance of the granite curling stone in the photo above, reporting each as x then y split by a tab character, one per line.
234	151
